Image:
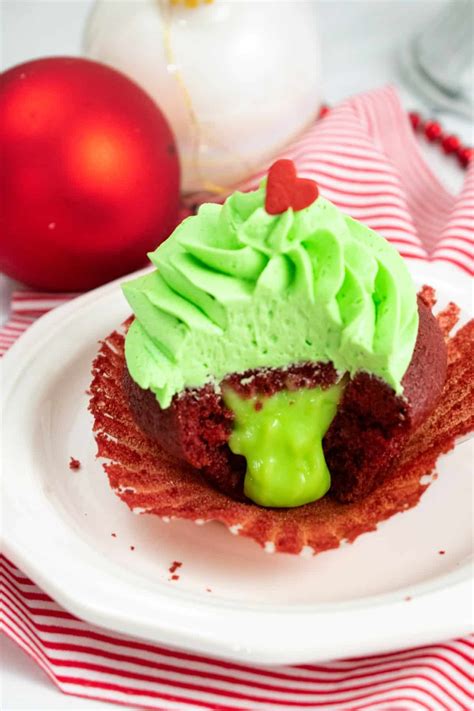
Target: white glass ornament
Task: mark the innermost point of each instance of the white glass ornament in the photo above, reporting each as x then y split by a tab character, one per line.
237	79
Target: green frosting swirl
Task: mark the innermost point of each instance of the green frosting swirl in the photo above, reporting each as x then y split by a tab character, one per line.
236	288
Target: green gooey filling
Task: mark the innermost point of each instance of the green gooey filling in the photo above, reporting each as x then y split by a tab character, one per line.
281	438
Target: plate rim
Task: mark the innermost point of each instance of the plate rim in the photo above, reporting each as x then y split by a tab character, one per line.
428	604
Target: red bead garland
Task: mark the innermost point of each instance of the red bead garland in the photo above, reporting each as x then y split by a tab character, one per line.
433	131
465	156
415	119
450	144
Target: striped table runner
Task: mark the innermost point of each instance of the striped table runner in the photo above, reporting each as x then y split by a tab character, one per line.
86	661
365	159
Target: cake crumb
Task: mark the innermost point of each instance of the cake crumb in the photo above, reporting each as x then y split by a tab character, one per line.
174	566
132	548
208	590
74	464
174	577
441	552
114	535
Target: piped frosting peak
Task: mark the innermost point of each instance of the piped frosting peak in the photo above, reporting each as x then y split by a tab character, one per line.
237	288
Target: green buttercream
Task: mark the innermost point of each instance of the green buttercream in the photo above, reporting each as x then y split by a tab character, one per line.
237	288
281	440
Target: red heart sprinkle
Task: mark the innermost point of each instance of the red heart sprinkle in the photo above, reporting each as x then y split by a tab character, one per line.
285	189
305	193
280	183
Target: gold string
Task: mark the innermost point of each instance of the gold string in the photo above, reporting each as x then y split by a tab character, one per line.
193	119
197	140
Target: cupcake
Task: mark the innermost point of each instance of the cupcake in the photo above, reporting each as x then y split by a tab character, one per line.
278	360
281	350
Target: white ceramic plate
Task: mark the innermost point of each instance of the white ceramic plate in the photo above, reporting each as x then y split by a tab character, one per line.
232	599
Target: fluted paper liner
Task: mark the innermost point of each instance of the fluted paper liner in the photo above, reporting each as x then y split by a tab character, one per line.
150	481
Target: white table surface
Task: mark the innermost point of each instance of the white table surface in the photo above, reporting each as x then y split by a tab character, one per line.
361	41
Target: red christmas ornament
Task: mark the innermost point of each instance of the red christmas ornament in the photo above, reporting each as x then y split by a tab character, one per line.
285	189
90	175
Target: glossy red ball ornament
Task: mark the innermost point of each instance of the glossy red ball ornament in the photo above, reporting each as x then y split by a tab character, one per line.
90	176
433	131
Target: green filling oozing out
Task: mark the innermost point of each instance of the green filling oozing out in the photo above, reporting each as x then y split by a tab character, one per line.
281	438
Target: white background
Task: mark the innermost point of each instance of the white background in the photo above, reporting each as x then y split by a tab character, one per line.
371	33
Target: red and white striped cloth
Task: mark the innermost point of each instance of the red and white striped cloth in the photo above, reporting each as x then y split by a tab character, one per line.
365	158
87	661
